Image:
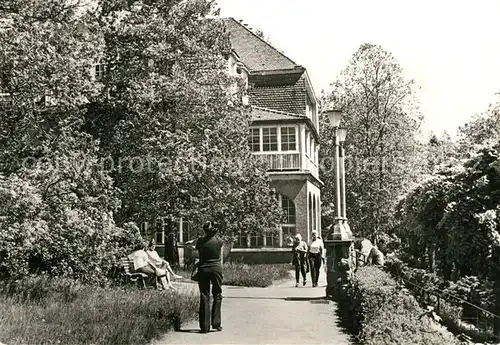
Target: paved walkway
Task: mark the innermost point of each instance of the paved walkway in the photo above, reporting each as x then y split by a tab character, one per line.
279	314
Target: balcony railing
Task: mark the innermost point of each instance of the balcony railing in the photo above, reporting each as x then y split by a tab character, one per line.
281	161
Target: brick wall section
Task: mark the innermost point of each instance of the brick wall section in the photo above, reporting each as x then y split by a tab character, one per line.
287	98
296	191
301	212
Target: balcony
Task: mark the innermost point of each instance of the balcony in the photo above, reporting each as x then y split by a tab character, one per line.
280	161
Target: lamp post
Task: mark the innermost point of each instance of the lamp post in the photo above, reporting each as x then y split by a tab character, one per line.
342	133
339	242
335	116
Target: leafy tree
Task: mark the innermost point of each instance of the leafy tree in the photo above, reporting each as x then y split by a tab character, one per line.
84	155
382	118
455	216
166	105
56	209
481	131
438	153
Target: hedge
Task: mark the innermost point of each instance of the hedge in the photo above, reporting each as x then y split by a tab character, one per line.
451	310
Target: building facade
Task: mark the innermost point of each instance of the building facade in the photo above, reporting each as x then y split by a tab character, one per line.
284	132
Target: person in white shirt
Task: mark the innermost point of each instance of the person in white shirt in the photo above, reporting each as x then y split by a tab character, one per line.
159	262
315	256
142	263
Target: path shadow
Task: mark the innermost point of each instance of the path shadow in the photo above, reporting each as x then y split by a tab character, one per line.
195	330
189	331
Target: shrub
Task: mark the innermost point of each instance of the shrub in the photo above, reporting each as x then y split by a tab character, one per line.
381	313
73	236
451	309
88	314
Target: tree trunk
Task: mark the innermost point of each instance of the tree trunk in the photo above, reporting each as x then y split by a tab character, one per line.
171	250
432	258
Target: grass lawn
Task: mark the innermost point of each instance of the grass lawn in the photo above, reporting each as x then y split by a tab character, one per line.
41	311
262	275
69	313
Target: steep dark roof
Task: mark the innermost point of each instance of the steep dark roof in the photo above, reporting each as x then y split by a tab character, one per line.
287	98
255	53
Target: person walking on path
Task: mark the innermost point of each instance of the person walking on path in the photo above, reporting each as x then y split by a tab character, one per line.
315	256
210	271
299	251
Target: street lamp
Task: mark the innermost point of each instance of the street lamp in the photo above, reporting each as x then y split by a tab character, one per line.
342	133
335	116
339	243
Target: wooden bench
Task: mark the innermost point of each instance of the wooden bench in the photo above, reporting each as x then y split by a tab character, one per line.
128	266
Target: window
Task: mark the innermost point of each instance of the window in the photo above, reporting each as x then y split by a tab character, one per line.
256	240
143	228
241	241
187	235
254	139
98	69
307	142
269	139
272	239
309	108
310	207
289	208
288	226
288	139
288	234
314	214
159	232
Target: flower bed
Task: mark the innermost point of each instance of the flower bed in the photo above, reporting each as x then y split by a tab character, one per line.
264	275
261	275
379	312
42	311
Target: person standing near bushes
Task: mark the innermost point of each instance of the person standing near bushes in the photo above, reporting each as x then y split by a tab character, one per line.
376	257
210	272
315	256
299	251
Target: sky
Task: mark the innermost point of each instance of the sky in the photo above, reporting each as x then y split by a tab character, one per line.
450	48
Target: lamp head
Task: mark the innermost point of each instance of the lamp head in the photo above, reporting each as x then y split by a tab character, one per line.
334	116
342	133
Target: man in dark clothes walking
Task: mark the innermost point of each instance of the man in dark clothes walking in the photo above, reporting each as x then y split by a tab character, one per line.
210	271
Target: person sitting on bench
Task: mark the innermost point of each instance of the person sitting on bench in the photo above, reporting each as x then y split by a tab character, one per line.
143	264
159	262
